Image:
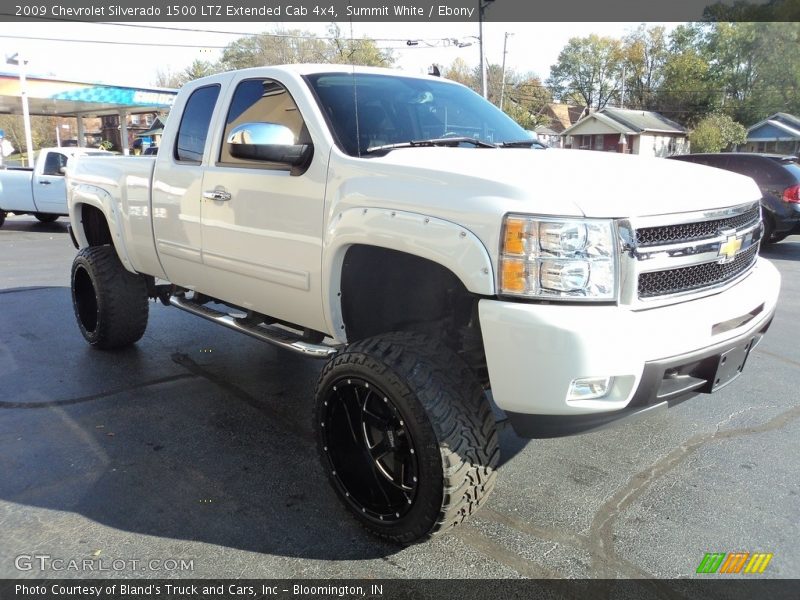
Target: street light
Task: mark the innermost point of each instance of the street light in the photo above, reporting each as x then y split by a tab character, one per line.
16	59
482	5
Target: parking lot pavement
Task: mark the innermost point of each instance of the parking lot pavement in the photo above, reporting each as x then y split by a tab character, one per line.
196	445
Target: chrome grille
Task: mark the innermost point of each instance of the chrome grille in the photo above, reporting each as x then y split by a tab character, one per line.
696	277
685	232
668	258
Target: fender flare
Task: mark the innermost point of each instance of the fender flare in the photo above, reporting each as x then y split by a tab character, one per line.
445	243
89	195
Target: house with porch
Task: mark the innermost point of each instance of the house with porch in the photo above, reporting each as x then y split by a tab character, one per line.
628	131
779	133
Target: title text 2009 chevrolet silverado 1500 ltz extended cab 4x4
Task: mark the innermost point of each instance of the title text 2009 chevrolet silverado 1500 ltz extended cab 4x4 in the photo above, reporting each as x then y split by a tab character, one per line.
39	191
407	231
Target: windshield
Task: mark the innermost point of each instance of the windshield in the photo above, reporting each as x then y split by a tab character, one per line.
393	110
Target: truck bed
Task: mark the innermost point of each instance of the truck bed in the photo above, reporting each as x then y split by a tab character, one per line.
15	190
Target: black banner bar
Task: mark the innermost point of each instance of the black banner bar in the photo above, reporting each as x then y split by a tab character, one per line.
717	588
410	11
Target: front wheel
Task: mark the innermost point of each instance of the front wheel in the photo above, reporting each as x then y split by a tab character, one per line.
110	302
406	436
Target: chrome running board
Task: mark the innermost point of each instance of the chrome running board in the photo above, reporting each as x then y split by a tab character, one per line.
266	333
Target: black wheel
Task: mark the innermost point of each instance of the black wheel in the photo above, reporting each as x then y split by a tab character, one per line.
768	235
779	237
2	217
45	217
110	302
406	436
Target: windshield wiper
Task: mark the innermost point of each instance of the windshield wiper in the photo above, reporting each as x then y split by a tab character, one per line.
524	144
448	141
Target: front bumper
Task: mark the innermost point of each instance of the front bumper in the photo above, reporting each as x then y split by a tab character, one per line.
657	357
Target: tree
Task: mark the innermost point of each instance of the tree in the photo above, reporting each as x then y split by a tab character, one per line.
526	100
275	48
43	131
717	132
588	69
296	46
645	53
461	72
363	52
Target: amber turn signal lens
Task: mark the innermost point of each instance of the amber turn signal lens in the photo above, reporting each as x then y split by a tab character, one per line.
514	242
513	276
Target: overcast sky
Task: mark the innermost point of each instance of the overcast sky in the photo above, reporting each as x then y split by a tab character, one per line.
533	47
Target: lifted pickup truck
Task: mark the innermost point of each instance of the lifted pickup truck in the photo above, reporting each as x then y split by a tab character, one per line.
39	191
411	234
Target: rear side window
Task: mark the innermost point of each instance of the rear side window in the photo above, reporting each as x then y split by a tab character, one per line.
195	122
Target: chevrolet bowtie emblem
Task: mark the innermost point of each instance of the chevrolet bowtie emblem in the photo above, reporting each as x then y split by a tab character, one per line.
730	247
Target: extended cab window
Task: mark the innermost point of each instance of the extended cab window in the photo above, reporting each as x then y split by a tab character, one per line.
261	101
196	119
53	164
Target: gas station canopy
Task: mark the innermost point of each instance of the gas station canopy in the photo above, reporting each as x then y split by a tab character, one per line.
55	97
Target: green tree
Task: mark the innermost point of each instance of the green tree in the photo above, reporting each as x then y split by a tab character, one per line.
461	72
645	53
363	52
588	69
43	131
716	132
297	46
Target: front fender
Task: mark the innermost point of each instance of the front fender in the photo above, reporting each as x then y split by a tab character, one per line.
442	242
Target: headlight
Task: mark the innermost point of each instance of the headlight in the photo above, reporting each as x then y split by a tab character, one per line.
569	259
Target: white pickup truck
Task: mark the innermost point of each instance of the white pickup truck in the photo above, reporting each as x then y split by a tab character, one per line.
40	190
409	233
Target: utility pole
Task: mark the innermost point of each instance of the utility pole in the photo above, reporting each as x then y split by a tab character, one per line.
503	85
622	96
482	4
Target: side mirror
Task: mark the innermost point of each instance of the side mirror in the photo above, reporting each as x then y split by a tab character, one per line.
269	142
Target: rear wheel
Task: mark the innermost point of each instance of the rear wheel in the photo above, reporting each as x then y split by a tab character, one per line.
110	303
45	217
406	436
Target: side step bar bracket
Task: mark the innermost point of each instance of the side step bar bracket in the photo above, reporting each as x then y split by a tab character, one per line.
266	333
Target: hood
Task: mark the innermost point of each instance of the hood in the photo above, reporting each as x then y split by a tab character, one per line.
564	182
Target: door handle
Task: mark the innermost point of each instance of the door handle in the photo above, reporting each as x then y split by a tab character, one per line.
44	183
218	195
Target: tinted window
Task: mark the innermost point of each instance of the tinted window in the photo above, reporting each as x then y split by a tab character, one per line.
196	118
367	110
53	164
262	101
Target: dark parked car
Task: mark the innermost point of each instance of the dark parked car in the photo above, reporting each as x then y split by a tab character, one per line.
151	151
777	175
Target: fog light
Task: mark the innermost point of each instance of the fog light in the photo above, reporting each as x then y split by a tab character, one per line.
589	388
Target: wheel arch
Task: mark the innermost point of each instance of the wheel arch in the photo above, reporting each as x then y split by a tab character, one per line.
390	243
95	221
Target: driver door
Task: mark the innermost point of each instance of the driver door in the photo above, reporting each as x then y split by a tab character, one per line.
262	222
